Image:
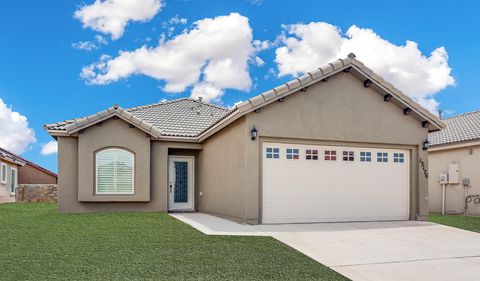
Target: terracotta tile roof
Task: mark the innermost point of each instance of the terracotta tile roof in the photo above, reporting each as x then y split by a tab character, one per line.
464	127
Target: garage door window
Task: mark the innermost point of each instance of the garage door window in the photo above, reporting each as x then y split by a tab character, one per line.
292	153
348	156
398	157
365	156
330	155
311	154
273	153
382	157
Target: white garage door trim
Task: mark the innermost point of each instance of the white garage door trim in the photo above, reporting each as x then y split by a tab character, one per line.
308	190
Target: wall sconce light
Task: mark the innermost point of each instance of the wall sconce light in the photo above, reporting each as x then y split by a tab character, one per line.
426	143
254	132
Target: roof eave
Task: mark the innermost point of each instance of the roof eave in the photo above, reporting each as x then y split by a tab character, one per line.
12	160
455	144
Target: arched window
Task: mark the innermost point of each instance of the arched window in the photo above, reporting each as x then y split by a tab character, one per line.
114	169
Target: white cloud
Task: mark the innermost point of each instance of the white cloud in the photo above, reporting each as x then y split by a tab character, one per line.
262	45
259	61
177	20
49	148
85	45
101	40
90	45
308	46
15	133
211	57
111	16
256	2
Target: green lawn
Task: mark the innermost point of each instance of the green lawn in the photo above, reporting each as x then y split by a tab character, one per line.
38	243
458	221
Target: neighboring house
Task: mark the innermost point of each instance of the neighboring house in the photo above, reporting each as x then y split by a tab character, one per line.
455	148
336	144
9	166
15	170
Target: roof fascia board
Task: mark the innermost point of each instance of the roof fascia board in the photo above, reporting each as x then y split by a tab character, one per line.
58	133
176	139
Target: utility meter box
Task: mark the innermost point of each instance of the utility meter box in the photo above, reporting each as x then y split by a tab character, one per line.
453	173
444	178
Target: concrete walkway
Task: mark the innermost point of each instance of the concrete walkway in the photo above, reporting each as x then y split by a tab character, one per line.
405	250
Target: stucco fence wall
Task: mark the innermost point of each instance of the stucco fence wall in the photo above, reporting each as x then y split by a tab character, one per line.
37	193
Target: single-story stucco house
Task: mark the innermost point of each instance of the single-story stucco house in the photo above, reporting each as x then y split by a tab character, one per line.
455	153
336	144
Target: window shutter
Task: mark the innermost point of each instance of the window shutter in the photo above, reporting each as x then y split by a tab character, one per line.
124	173
114	172
106	172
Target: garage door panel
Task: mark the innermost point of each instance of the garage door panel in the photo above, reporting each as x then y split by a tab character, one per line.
319	190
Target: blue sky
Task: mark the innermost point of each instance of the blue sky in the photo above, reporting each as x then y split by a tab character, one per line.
40	68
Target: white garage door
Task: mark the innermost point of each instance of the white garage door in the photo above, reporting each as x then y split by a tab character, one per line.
311	183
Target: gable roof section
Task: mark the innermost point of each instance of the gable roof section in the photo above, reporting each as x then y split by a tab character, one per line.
193	120
181	118
461	128
349	64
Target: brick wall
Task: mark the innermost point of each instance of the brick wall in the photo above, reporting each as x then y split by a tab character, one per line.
37	193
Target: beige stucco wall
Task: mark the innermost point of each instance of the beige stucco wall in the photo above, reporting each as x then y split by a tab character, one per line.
469	161
340	111
221	170
113	133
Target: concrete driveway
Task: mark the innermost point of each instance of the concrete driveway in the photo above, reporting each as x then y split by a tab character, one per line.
405	250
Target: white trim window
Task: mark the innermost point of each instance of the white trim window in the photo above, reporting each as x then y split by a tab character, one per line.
114	170
398	157
293	153
365	156
273	152
13	180
3	173
382	157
